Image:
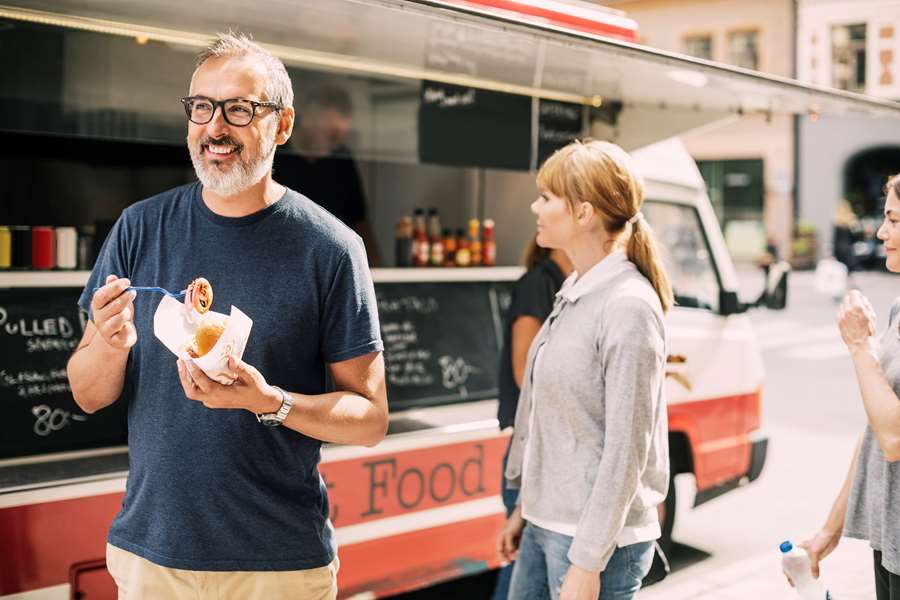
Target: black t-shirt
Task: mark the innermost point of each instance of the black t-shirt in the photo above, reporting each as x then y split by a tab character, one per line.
532	296
331	182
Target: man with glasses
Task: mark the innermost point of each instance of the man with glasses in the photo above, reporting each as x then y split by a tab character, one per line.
224	497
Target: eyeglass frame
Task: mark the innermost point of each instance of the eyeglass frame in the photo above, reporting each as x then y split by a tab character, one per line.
220	104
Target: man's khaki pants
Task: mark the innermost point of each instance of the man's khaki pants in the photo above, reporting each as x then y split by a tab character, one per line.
140	579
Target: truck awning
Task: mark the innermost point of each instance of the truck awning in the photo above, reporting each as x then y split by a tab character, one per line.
646	93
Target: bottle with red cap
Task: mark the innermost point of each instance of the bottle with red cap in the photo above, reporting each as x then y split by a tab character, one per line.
420	239
488	244
435	241
449	248
42	248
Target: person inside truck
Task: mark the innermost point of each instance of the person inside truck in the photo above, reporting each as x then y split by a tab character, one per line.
868	504
531	303
322	167
589	451
224	491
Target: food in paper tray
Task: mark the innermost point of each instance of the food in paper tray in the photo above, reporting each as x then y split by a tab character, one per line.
206	337
191	330
198	297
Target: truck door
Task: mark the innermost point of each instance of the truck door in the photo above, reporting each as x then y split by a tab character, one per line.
714	371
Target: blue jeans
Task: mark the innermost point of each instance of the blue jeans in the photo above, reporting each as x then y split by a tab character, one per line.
501	591
542	564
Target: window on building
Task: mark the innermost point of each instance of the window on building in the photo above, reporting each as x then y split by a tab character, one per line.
699	46
848	57
743	49
736	188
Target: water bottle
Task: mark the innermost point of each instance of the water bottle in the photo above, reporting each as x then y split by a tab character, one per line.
795	562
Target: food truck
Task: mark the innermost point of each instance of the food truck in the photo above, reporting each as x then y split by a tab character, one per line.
455	104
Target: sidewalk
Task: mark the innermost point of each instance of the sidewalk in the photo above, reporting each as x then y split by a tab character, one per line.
847	572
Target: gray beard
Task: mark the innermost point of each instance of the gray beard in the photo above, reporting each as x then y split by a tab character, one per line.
240	177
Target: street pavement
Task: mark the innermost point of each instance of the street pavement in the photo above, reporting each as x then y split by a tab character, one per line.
728	549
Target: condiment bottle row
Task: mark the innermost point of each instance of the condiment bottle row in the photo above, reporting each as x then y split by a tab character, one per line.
44	248
421	241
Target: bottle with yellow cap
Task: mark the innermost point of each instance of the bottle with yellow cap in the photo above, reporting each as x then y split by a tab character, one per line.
5	247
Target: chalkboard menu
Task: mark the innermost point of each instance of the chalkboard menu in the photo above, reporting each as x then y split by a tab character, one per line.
39	329
558	124
441	340
473	127
479	128
442	343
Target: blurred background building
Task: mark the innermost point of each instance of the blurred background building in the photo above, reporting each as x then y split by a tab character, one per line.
747	162
782	177
852	45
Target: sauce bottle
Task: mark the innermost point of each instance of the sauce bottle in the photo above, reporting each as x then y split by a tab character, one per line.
488	244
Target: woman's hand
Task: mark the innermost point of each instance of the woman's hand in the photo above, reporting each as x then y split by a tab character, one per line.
580	585
510	535
856	321
818	547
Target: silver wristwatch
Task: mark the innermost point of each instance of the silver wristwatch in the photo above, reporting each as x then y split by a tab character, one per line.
277	418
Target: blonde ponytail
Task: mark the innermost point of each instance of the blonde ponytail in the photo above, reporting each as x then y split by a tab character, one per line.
642	251
602	174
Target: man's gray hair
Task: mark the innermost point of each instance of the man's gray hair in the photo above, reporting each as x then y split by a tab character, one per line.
236	45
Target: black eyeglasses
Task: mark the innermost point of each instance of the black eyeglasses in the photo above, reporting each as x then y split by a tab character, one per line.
237	111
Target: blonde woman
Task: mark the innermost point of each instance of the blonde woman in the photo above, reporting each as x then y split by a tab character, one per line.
589	450
868	504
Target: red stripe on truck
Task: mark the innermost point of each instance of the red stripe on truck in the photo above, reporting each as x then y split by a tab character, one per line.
718	432
596	26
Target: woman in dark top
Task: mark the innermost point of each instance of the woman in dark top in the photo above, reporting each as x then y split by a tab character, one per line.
532	301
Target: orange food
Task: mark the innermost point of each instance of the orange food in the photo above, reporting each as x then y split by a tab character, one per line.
199	295
205	338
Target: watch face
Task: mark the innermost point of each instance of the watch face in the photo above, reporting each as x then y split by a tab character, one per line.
270	420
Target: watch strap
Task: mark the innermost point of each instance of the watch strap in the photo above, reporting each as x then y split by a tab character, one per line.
277	417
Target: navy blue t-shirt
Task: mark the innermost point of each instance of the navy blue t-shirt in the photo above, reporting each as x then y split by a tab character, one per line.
213	489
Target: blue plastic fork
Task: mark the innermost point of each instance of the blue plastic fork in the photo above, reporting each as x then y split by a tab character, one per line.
138	288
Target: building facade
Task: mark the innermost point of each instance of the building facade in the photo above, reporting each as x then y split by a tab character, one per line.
852	45
747	162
